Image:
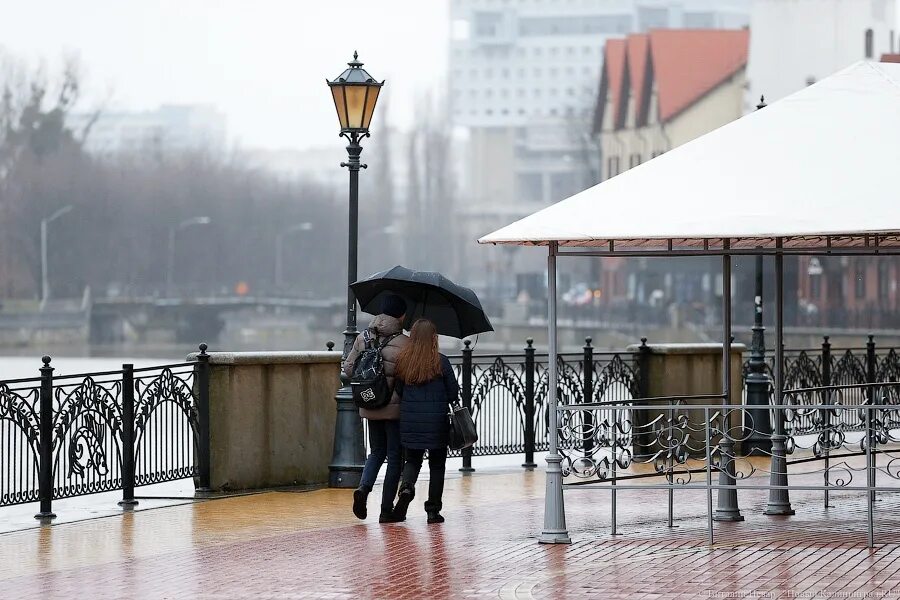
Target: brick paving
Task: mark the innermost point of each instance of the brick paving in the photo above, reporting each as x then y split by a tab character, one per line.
308	545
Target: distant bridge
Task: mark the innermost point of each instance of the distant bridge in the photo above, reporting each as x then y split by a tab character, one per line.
114	320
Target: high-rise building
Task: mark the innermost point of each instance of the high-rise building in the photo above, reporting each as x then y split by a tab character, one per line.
797	43
523	78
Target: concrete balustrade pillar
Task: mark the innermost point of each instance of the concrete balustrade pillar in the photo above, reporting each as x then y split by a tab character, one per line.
272	418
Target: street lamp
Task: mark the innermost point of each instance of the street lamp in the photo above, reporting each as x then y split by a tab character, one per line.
355	93
170	270
279	242
45	284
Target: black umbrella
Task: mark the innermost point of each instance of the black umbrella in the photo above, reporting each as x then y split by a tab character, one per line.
454	309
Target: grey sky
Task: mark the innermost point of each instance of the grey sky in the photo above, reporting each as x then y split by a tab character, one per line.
262	62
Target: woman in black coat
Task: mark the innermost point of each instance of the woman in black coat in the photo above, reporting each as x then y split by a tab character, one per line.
426	385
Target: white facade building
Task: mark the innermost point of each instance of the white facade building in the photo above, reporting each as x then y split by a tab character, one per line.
168	128
523	78
798	42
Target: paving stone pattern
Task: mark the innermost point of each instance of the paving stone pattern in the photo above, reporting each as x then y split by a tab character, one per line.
308	545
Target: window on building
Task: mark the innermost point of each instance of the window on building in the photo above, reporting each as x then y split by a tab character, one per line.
562	185
884	280
699	20
612	166
870	44
570	91
530	187
860	281
504	73
634	160
554	71
652	18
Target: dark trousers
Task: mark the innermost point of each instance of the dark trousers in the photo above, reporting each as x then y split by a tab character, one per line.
437	465
384	441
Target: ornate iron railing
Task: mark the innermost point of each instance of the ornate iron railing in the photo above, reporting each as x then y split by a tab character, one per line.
694	443
507	393
65	436
827	366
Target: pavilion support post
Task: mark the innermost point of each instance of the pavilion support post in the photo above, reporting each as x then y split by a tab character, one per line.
555	530
727	509
779	499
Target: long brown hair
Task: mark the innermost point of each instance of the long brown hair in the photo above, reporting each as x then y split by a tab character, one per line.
419	360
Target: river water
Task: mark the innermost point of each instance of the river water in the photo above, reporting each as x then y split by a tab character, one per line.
20	367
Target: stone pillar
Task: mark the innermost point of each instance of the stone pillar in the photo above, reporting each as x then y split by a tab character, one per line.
684	370
272	418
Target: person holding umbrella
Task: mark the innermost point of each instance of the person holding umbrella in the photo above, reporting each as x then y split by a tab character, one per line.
384	427
434	305
427	386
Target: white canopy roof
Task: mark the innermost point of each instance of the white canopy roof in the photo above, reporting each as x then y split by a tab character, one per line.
820	167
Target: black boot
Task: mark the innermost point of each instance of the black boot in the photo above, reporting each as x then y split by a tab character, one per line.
434	517
388	517
406	495
360	495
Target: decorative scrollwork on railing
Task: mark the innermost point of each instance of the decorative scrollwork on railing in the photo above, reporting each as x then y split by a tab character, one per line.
86	437
888	367
615	374
20	440
165	405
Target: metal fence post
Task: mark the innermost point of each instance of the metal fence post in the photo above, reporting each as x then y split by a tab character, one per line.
643	442
127	436
870	368
529	405
587	396
826	417
467	399
45	425
203	458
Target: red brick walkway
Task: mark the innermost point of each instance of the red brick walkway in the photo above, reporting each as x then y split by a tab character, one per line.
307	545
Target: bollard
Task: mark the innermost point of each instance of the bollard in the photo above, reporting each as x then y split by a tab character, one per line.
127	437
529	405
203	458
467	399
587	396
45	425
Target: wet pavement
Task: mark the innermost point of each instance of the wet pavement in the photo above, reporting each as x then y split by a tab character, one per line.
287	544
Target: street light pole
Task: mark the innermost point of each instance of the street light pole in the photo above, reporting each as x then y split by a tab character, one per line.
170	268
279	243
45	278
355	94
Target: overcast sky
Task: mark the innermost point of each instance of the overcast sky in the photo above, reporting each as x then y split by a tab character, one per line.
261	62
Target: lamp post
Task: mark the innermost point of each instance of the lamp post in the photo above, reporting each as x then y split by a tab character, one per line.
45	278
279	242
170	270
355	93
757	420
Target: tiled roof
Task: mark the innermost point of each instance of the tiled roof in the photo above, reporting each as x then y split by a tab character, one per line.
689	63
638	51
614	65
890	58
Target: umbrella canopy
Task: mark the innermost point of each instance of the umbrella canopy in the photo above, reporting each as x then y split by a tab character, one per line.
818	169
454	309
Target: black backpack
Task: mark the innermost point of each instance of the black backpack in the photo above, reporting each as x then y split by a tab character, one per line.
369	382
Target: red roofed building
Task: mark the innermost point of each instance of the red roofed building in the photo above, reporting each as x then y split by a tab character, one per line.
664	88
657	91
